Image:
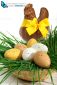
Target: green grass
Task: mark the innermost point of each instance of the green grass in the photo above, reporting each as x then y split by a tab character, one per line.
9	42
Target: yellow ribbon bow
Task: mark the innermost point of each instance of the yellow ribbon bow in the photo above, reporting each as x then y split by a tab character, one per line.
32	26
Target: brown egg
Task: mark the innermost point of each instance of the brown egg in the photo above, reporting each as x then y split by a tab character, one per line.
31	42
22	47
42	59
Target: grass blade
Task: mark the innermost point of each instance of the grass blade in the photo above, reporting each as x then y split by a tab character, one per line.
3	48
39	76
49	71
33	82
9	73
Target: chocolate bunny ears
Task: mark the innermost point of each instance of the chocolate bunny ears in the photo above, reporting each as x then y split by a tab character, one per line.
29	13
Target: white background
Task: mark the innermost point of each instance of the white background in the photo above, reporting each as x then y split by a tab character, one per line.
12	17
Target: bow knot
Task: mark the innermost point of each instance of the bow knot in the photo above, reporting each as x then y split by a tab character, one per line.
32	26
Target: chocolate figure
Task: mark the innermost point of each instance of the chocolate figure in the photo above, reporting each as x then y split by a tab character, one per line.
29	13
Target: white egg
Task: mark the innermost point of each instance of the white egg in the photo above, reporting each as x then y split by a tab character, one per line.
40	47
27	53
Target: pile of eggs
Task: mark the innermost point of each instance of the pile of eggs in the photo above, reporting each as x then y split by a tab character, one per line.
34	51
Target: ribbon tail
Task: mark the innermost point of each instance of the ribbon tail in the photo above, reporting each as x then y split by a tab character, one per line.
43	31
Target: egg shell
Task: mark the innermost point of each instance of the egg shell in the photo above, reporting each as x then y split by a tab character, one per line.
20	46
40	47
42	59
27	53
31	42
12	54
